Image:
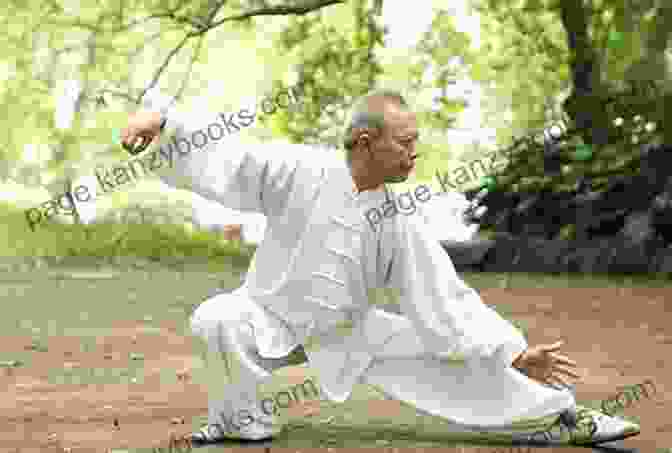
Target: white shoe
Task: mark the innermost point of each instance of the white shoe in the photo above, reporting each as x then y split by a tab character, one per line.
582	426
214	433
236	424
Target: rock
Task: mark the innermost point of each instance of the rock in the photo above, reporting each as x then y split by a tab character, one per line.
535	254
467	253
661	213
500	256
627	227
629	258
663	260
586	257
638	227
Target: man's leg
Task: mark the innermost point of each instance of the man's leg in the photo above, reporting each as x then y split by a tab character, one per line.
477	397
232	325
478	394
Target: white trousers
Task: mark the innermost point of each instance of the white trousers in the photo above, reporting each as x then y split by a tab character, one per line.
480	396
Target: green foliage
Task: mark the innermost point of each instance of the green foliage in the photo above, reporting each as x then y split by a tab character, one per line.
439	45
152	242
336	64
526	53
524	63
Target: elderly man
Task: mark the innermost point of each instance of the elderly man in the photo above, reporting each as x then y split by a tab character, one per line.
447	354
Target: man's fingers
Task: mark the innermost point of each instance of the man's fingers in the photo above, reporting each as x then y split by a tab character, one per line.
137	144
552	347
567	371
127	138
130	143
557	379
144	143
562	359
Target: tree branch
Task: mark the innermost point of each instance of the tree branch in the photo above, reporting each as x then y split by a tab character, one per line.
214	8
187	73
163	66
269	11
78	23
274	11
120	94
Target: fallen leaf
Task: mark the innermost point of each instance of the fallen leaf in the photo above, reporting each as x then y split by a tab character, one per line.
11	363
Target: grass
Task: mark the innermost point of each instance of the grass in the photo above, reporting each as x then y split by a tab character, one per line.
161	244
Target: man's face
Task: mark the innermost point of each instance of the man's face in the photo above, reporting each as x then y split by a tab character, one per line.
393	151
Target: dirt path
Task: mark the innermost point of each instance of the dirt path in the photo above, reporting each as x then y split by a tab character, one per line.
620	337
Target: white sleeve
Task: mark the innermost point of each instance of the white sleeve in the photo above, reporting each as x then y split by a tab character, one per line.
450	317
253	177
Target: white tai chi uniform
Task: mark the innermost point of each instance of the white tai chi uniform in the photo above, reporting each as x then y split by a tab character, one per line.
313	272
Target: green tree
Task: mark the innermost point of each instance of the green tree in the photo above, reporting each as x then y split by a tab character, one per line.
108	47
538	52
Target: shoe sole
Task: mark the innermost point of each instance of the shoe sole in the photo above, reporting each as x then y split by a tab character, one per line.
609	439
556	442
219	440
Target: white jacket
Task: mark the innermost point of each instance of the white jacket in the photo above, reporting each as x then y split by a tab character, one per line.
320	258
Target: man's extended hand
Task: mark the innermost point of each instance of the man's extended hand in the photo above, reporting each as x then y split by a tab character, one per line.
143	126
543	364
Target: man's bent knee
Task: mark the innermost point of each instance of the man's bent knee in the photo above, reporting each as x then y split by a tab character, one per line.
205	319
223	311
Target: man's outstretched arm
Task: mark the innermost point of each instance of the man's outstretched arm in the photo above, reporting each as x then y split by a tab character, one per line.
220	167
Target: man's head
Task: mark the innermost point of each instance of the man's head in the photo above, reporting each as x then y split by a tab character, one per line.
380	139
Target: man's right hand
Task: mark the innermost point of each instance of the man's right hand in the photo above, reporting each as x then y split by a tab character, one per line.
543	364
142	128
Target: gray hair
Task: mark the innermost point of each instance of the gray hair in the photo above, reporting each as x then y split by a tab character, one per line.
362	115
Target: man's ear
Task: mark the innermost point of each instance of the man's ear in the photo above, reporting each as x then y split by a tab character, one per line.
364	138
359	134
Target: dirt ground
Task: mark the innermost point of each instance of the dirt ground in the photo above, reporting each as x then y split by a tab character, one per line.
618	337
